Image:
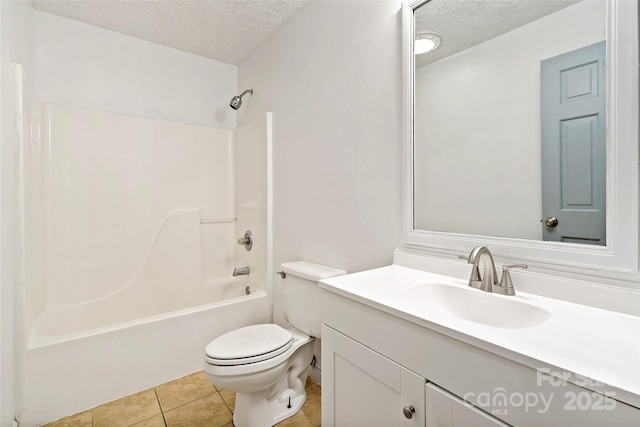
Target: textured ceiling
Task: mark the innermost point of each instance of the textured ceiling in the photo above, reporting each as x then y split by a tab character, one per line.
466	23
224	30
228	30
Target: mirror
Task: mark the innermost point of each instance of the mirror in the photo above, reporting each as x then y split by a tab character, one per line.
492	155
509	125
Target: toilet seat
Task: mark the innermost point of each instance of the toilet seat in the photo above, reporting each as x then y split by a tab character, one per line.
247	345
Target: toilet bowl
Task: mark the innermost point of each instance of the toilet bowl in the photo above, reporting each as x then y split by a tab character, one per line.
267	365
272	387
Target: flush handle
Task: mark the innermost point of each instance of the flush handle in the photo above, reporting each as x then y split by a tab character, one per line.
408	411
551	221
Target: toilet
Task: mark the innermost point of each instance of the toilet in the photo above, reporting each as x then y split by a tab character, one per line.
266	365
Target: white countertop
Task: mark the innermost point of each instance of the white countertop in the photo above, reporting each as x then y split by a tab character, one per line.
587	342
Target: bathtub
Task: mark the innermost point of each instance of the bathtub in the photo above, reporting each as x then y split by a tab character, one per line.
72	365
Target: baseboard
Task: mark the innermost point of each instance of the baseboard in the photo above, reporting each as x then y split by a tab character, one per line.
315	373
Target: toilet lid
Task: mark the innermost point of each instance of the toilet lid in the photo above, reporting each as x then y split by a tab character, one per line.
250	344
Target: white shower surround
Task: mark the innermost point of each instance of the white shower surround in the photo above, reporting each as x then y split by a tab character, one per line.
120	300
120	204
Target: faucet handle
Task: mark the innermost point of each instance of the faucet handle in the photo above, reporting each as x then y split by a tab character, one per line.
246	240
506	284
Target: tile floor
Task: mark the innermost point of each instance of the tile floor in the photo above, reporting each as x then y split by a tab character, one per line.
190	401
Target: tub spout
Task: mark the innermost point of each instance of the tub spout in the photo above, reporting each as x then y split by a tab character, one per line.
242	271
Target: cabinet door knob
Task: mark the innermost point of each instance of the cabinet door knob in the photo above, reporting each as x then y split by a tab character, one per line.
408	411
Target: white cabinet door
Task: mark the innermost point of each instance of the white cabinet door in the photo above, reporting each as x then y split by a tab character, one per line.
444	409
363	388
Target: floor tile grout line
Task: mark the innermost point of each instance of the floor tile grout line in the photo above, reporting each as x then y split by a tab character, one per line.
186	403
308	419
155	390
164	420
225	402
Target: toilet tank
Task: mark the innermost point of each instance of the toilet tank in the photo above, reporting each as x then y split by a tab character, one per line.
301	294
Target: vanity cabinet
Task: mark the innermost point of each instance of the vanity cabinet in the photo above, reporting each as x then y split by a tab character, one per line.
365	388
376	363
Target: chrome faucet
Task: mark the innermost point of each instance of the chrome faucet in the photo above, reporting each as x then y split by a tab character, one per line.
488	281
242	271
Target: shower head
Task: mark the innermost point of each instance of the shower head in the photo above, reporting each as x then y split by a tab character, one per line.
236	101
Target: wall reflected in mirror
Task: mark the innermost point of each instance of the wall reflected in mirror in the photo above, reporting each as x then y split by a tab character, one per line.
501	146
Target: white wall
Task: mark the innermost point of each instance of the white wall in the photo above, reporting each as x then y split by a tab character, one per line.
478	121
15	38
86	66
332	77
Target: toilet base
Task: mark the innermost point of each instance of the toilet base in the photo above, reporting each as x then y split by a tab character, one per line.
269	407
254	410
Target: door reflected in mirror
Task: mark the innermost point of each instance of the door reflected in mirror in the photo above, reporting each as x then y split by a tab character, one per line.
509	120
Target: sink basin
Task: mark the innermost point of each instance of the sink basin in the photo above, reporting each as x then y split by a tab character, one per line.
476	306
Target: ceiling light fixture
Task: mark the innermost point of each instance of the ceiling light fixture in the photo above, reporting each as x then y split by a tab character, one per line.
426	42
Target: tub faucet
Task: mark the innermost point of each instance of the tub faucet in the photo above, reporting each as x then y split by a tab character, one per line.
489	278
242	271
